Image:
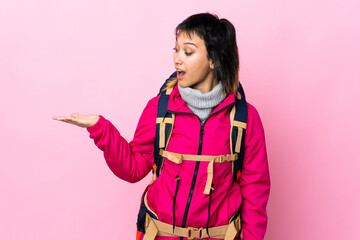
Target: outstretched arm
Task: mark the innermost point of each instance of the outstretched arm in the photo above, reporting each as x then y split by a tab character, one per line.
130	161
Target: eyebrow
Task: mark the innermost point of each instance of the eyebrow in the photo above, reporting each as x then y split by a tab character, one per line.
190	43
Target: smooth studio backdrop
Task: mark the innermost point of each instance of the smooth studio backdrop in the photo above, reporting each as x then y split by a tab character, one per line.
299	63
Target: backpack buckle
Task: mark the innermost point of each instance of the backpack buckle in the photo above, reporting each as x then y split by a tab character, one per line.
221	159
195	233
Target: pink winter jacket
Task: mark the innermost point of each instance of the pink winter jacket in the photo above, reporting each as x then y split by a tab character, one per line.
132	161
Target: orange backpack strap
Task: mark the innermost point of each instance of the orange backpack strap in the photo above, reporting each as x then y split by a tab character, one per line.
164	126
238	119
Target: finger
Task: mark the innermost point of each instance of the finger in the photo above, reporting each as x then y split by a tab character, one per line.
71	121
59	118
66	119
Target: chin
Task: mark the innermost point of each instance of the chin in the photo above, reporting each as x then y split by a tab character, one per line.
185	83
182	84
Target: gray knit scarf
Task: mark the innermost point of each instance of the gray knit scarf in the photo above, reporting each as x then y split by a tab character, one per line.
202	103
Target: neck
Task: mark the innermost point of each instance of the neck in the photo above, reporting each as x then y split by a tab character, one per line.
202	103
207	85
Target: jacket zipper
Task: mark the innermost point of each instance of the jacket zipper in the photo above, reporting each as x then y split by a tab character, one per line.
194	176
197	163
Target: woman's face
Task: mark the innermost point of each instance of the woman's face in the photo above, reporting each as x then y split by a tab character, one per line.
194	69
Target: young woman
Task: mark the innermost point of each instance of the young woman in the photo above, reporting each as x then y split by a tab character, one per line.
195	196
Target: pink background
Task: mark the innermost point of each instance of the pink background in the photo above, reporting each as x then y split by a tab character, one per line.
299	64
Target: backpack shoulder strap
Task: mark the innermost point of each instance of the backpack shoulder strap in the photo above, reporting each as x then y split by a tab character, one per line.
164	126
238	119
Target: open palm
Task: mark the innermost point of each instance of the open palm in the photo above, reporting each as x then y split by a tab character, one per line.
80	120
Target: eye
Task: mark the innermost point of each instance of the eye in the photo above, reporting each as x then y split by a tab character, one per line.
186	53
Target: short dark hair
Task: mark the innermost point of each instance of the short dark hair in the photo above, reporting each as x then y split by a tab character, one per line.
220	41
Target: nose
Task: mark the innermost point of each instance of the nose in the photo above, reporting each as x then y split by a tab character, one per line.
177	59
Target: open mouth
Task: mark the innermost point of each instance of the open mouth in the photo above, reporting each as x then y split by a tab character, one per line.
180	73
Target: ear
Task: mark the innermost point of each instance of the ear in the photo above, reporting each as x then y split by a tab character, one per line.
211	64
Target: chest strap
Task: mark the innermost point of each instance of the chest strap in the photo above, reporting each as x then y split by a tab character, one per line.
178	158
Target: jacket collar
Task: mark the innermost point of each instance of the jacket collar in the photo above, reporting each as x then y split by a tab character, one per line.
177	104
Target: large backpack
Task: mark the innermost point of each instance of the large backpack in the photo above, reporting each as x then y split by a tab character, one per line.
164	126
